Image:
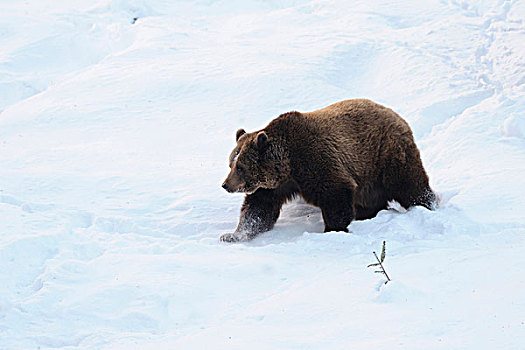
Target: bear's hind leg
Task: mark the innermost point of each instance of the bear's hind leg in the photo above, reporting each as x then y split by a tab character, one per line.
420	196
408	183
426	198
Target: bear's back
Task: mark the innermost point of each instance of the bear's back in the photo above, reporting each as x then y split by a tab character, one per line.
358	134
360	114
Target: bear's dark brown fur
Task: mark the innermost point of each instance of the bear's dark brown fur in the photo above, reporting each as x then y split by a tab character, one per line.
349	159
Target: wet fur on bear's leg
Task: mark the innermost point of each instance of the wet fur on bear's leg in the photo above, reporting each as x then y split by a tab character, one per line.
259	212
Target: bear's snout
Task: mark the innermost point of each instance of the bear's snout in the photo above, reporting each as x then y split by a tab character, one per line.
233	183
226	187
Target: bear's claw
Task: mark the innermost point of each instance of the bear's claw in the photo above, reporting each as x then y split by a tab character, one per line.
233	237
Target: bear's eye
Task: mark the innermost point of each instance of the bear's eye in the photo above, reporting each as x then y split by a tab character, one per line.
239	170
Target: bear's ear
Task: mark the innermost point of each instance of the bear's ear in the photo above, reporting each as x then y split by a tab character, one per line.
262	141
239	133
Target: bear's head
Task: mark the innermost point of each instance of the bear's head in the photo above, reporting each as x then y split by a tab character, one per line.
258	161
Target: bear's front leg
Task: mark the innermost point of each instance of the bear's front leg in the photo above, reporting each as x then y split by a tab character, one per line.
259	213
337	206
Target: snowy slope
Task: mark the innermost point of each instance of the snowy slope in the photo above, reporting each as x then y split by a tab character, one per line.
116	122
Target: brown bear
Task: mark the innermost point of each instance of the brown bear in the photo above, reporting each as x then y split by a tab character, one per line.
349	159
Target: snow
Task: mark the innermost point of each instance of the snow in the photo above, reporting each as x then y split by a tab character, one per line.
116	122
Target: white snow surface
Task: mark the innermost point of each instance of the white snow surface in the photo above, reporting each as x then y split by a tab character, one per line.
114	140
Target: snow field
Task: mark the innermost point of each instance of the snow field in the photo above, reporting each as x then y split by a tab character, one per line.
114	138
